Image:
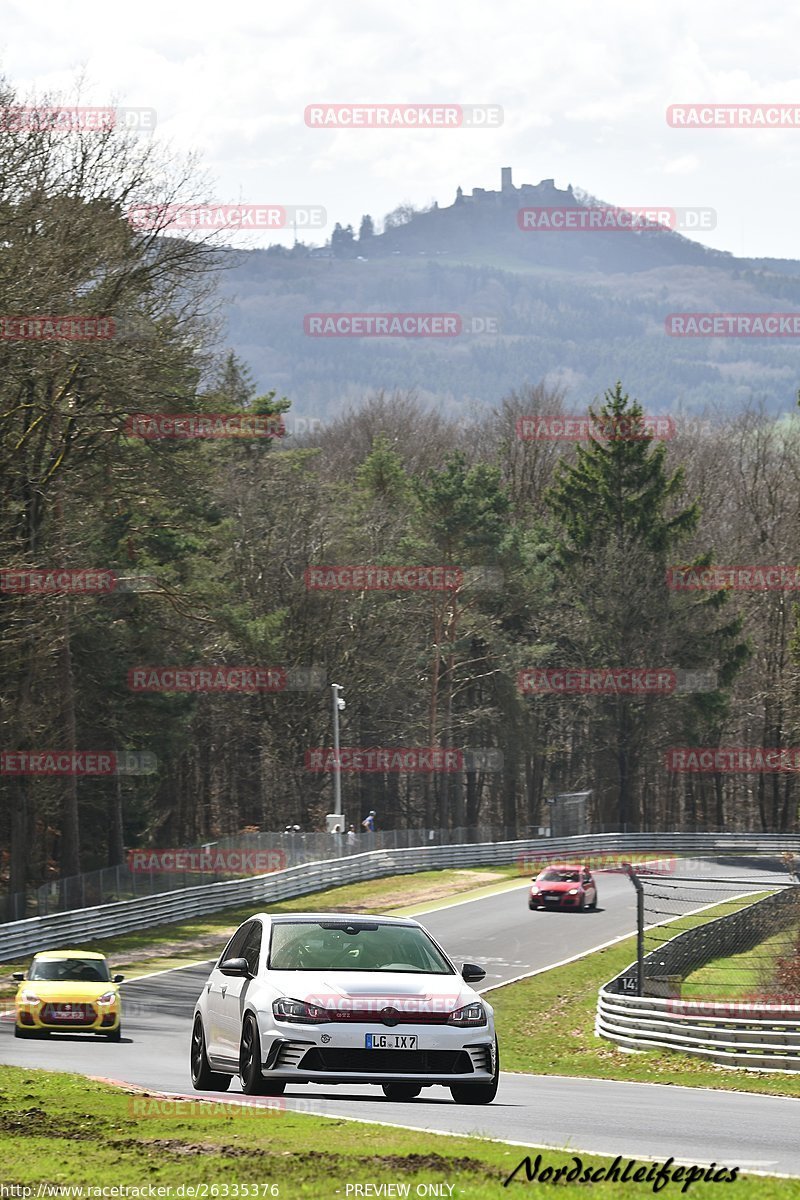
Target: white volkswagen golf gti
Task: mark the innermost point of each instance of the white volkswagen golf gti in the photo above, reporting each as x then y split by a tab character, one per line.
334	998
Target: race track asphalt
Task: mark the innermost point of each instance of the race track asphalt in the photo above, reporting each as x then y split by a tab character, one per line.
584	1115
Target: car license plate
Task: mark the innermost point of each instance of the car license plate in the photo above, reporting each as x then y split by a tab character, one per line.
390	1041
69	1014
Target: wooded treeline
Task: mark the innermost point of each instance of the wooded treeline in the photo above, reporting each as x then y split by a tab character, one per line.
573	542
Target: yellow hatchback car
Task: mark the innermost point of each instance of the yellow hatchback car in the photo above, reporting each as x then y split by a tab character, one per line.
68	989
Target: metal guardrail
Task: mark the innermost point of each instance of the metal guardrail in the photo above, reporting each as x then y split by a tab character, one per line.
767	1042
763	1035
107	885
21	938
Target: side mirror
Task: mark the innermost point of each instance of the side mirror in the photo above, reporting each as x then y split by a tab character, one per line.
472	973
236	966
19	976
117	978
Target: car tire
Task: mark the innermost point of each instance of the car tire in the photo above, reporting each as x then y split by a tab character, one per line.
478	1093
253	1082
593	905
203	1078
401	1091
115	1035
28	1033
532	906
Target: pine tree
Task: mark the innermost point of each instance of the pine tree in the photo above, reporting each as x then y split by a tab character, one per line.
616	508
234	382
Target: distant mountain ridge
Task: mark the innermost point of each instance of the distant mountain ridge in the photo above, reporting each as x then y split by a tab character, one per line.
580	307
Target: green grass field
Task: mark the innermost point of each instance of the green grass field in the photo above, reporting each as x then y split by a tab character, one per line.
745	975
59	1129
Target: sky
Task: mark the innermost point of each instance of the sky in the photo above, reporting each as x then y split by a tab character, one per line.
583	88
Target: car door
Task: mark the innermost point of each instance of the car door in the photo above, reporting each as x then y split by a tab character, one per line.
235	991
217	989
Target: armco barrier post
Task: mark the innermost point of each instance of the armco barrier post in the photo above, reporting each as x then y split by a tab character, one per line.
637	883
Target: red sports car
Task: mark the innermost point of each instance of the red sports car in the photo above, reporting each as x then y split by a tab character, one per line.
563	885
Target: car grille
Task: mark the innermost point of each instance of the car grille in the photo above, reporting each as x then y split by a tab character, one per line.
392	1062
72	1015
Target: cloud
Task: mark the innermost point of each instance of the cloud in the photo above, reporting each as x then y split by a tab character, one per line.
685	165
584	88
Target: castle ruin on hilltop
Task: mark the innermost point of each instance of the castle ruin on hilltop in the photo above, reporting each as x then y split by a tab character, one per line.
544	192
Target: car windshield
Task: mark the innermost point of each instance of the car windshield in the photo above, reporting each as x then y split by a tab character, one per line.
556	876
367	946
71	970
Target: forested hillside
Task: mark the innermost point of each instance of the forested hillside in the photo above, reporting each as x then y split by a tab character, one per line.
564	550
573	308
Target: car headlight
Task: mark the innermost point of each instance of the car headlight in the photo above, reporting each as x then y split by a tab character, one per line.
470	1014
106	998
534	887
298	1011
573	891
29	998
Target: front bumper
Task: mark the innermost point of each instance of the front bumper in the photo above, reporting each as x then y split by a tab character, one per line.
563	900
43	1017
444	1056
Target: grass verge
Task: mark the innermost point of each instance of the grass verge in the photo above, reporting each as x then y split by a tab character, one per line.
59	1129
546	1026
746	975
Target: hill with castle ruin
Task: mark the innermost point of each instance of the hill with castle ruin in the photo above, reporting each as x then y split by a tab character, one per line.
582	308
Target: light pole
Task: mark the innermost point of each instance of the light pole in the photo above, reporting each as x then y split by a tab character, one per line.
338	705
